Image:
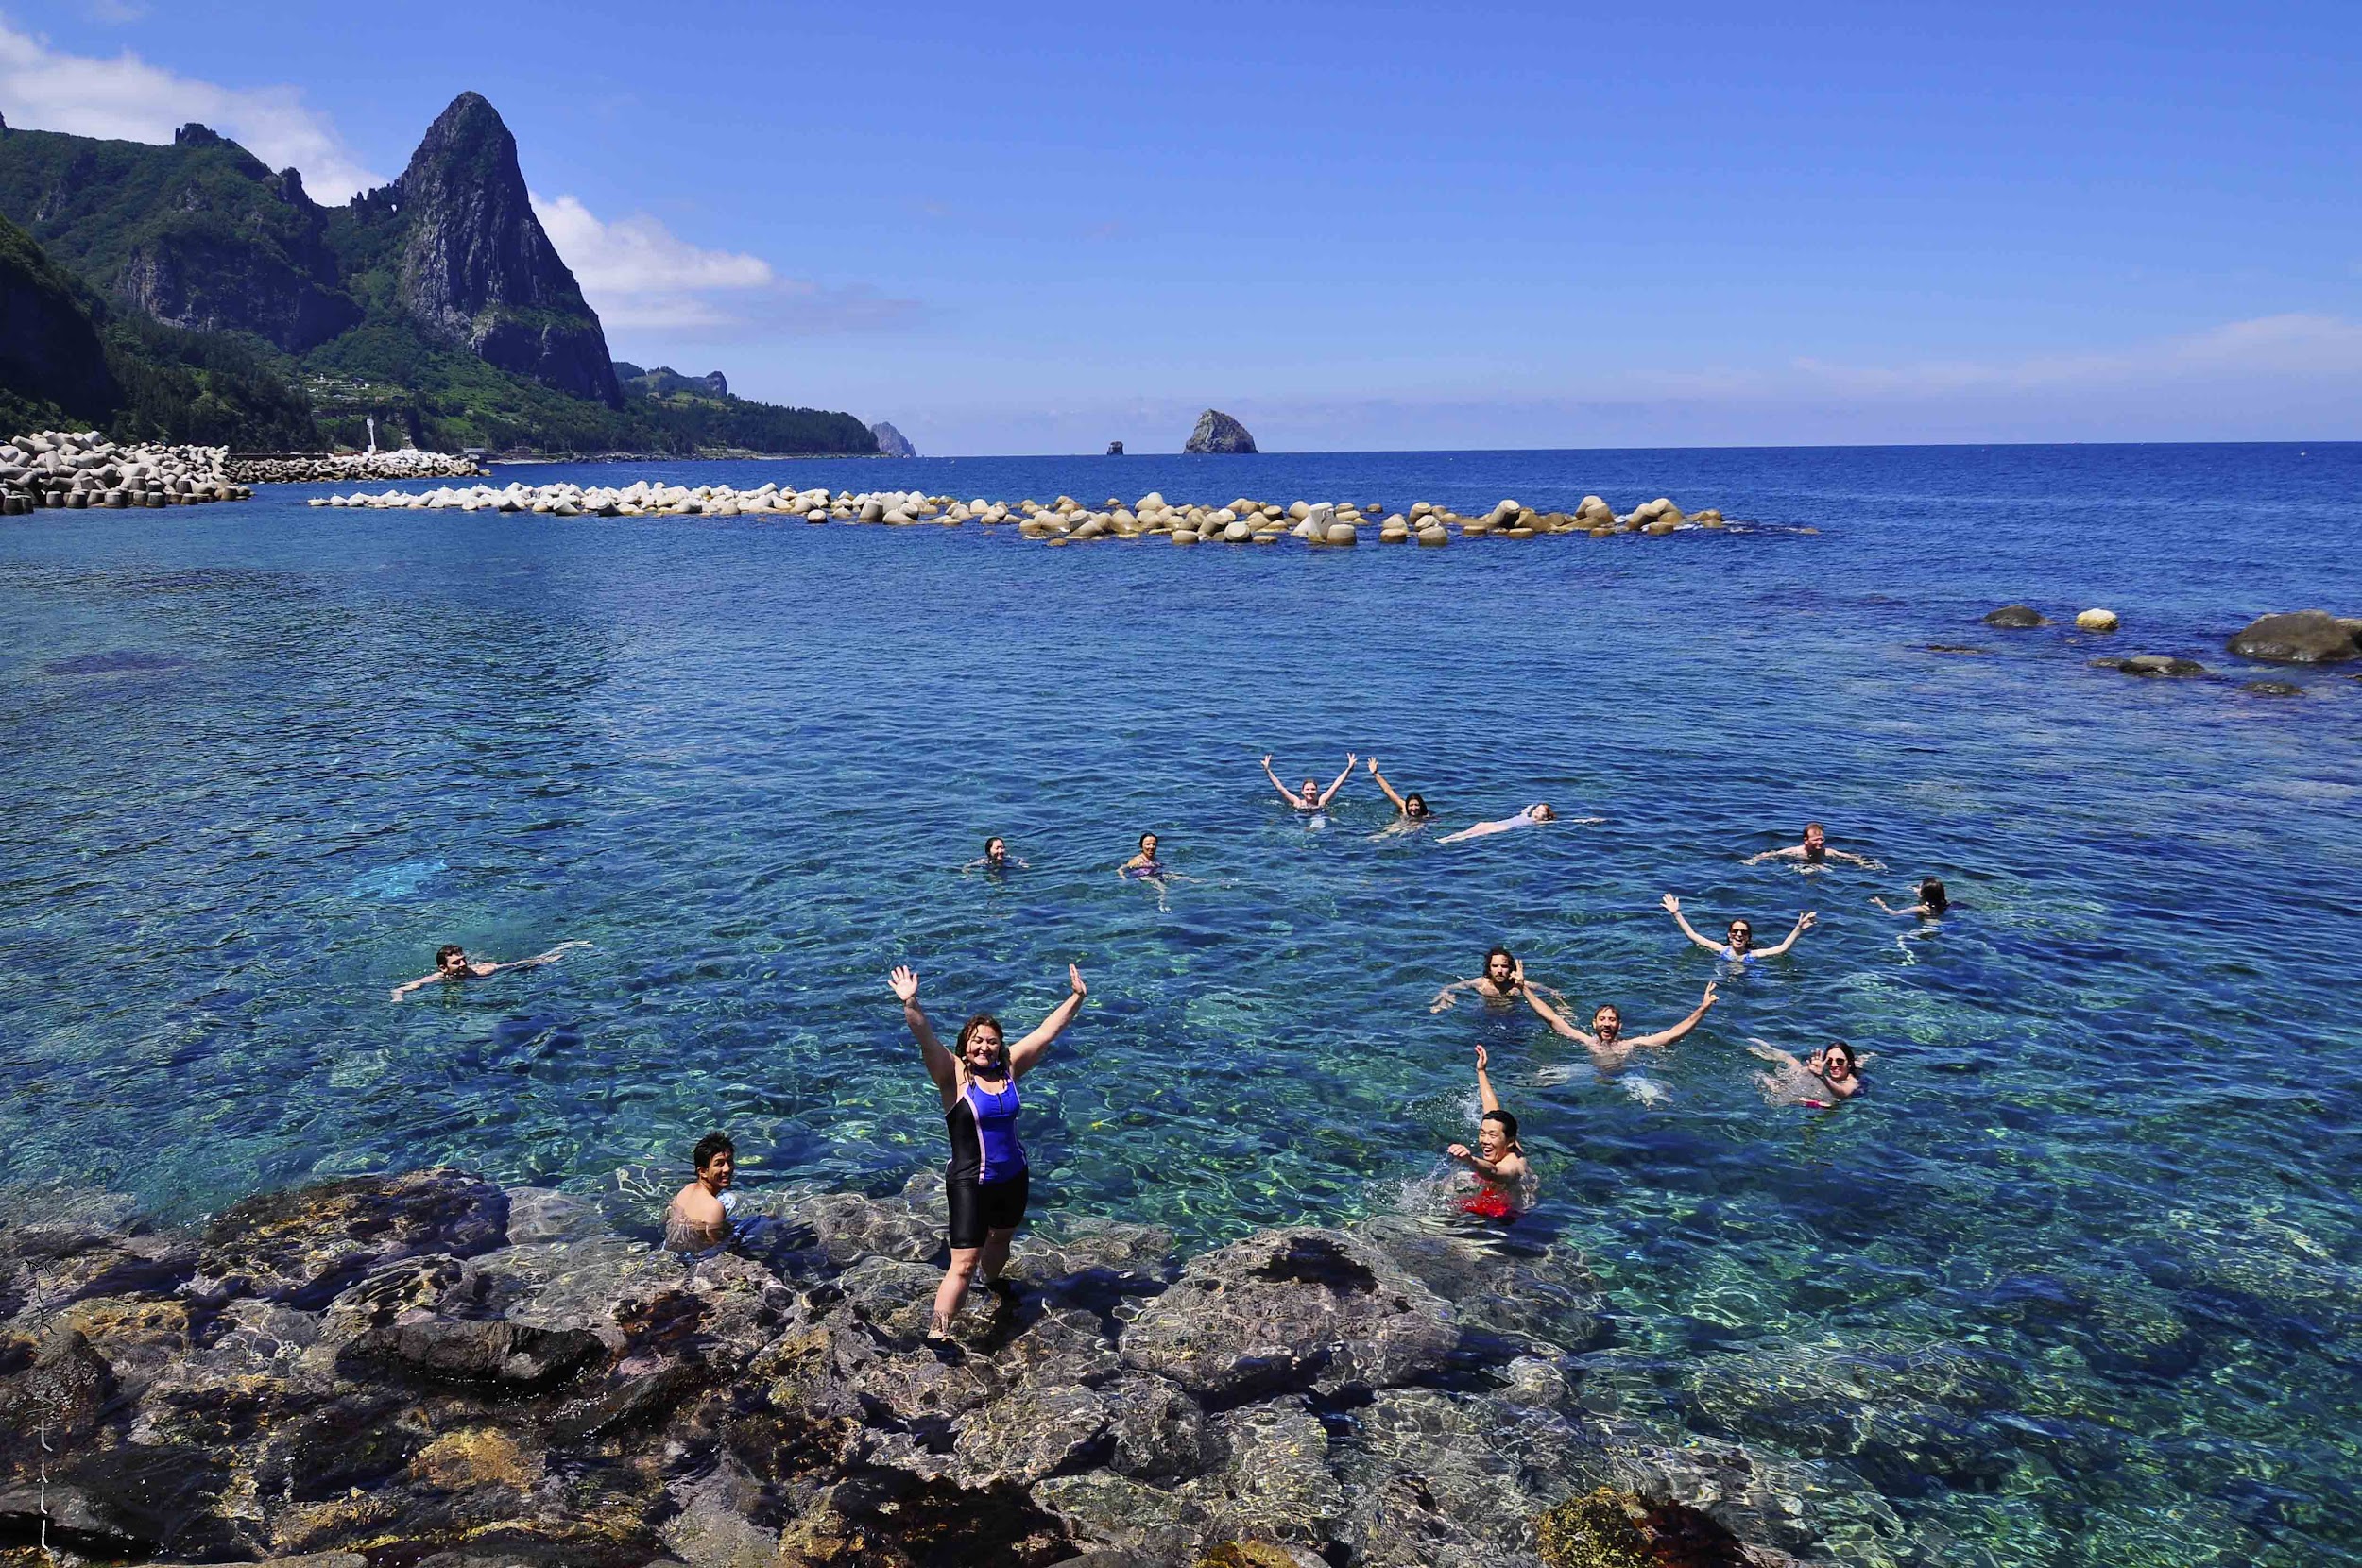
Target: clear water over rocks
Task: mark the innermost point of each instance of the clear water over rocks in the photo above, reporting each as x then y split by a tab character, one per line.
2076	1282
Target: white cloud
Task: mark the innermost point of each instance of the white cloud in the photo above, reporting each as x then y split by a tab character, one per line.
638	274
642	277
126	99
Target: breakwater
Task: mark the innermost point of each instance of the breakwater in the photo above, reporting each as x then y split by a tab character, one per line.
69	468
338	468
432	1367
1063	521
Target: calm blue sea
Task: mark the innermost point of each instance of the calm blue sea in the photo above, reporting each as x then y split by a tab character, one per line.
2079	1281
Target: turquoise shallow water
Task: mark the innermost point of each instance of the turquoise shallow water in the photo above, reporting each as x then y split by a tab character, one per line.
2079	1282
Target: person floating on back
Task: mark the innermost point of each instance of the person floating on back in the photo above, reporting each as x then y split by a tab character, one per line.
988	1181
1409	809
1312	797
1607	1042
453	964
1815	851
698	1223
1821	1081
1740	946
1504	1180
1538	813
1933	902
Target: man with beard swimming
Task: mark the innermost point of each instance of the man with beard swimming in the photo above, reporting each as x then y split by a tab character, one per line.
1607	1043
1815	851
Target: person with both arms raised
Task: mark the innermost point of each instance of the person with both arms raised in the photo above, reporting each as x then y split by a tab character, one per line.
987	1182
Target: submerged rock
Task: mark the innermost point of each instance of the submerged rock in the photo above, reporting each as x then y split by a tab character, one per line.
1292	1309
1218	431
2304	637
2016	617
2155	664
304	1246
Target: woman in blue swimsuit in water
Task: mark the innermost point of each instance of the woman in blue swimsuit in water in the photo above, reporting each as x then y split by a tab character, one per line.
1741	946
986	1182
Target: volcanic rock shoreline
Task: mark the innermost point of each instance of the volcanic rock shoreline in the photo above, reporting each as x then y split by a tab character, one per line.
427	1370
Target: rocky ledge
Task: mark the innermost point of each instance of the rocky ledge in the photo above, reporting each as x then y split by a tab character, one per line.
430	1372
79	468
1065	521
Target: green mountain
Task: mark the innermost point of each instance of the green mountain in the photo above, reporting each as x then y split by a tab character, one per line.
234	308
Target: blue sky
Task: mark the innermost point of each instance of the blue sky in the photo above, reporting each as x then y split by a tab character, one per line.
1038	228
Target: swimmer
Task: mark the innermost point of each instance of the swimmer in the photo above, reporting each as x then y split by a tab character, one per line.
1144	866
1538	811
1409	809
1503	980
1821	1081
986	1180
1933	901
1312	797
699	1220
1607	1043
1741	946
996	858
452	963
1504	1180
1815	850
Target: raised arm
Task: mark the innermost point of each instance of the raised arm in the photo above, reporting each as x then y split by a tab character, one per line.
1028	1051
1666	1036
940	1067
1804	924
1339	783
1391	793
1285	793
1484	1085
1551	1016
1673	907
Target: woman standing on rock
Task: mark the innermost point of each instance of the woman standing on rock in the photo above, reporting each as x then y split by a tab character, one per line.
986	1182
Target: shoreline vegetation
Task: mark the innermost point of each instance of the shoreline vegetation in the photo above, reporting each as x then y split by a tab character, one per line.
427	1367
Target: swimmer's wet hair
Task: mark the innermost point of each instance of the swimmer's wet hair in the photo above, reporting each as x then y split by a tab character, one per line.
1814	827
979	1021
1492	953
1932	895
1508	1123
711	1145
1144	838
1850	1059
446	951
1414	805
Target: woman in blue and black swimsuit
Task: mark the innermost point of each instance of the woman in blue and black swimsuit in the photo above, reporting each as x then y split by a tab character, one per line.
986	1180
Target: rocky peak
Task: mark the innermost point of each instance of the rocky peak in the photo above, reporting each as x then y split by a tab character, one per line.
892	442
195	135
1218	431
478	271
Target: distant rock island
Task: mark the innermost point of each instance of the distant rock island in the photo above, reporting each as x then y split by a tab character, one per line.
1218	431
892	442
1114	448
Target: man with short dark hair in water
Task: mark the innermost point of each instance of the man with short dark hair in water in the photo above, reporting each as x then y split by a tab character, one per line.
1409	809
1312	797
1822	1081
1503	979
1814	851
453	964
988	1184
699	1220
1505	1180
1741	946
1607	1042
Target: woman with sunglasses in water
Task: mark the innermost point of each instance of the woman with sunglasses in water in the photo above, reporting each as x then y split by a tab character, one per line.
1741	943
1826	1079
986	1182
